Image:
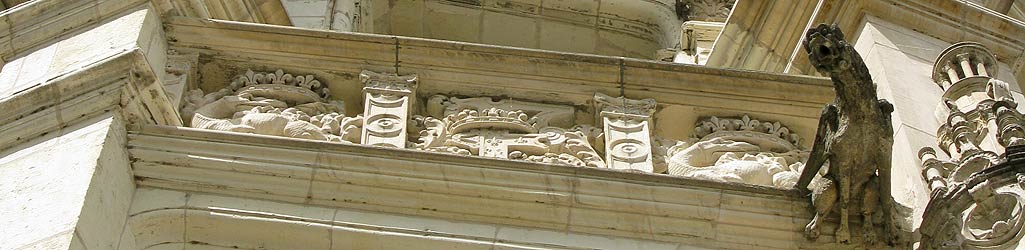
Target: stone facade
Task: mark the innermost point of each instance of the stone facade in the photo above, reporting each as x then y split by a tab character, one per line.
510	124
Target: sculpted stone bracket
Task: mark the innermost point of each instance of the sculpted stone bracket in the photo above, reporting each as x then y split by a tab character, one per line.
627	133
387	102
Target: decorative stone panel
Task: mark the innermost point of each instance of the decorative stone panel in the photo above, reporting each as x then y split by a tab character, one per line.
273	103
504	129
627	133
740	150
387	98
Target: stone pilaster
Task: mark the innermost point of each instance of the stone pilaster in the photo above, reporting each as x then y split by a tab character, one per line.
387	99
627	132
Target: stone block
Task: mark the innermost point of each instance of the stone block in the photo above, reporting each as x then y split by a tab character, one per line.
510	30
449	22
408	18
44	187
561	36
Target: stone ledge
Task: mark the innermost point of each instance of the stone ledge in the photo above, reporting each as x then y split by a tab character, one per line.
121	82
37	22
580	200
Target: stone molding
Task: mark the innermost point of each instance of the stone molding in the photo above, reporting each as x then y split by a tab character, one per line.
115	83
694	213
29	25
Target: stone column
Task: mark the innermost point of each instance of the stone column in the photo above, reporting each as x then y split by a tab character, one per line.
387	98
627	136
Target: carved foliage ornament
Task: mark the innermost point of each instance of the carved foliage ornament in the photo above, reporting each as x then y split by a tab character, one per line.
273	103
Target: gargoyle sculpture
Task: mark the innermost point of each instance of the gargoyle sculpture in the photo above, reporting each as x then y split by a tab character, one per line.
854	137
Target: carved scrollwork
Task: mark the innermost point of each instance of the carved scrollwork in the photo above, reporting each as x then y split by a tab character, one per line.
272	103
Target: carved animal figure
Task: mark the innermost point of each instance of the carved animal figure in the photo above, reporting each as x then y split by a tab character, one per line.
854	137
726	160
223	114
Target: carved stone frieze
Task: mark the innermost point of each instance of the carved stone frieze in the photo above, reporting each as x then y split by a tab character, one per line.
503	129
387	102
739	150
627	134
273	103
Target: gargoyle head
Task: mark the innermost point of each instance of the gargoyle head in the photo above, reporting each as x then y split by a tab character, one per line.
825	45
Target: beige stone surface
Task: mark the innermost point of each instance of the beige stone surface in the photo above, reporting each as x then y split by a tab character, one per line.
545	198
901	62
44	203
132	28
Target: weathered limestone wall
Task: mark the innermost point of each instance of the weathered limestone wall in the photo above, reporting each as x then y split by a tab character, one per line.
340	15
82	45
69	190
66	94
161	217
628	28
901	62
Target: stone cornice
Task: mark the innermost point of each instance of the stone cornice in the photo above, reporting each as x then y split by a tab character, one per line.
121	83
34	23
447	67
580	200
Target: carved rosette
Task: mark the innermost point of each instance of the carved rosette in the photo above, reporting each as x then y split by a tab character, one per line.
503	129
387	100
976	175
272	103
626	128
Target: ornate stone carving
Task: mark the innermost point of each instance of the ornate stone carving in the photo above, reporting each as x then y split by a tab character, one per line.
741	150
503	129
627	136
387	98
982	212
273	103
854	136
973	205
